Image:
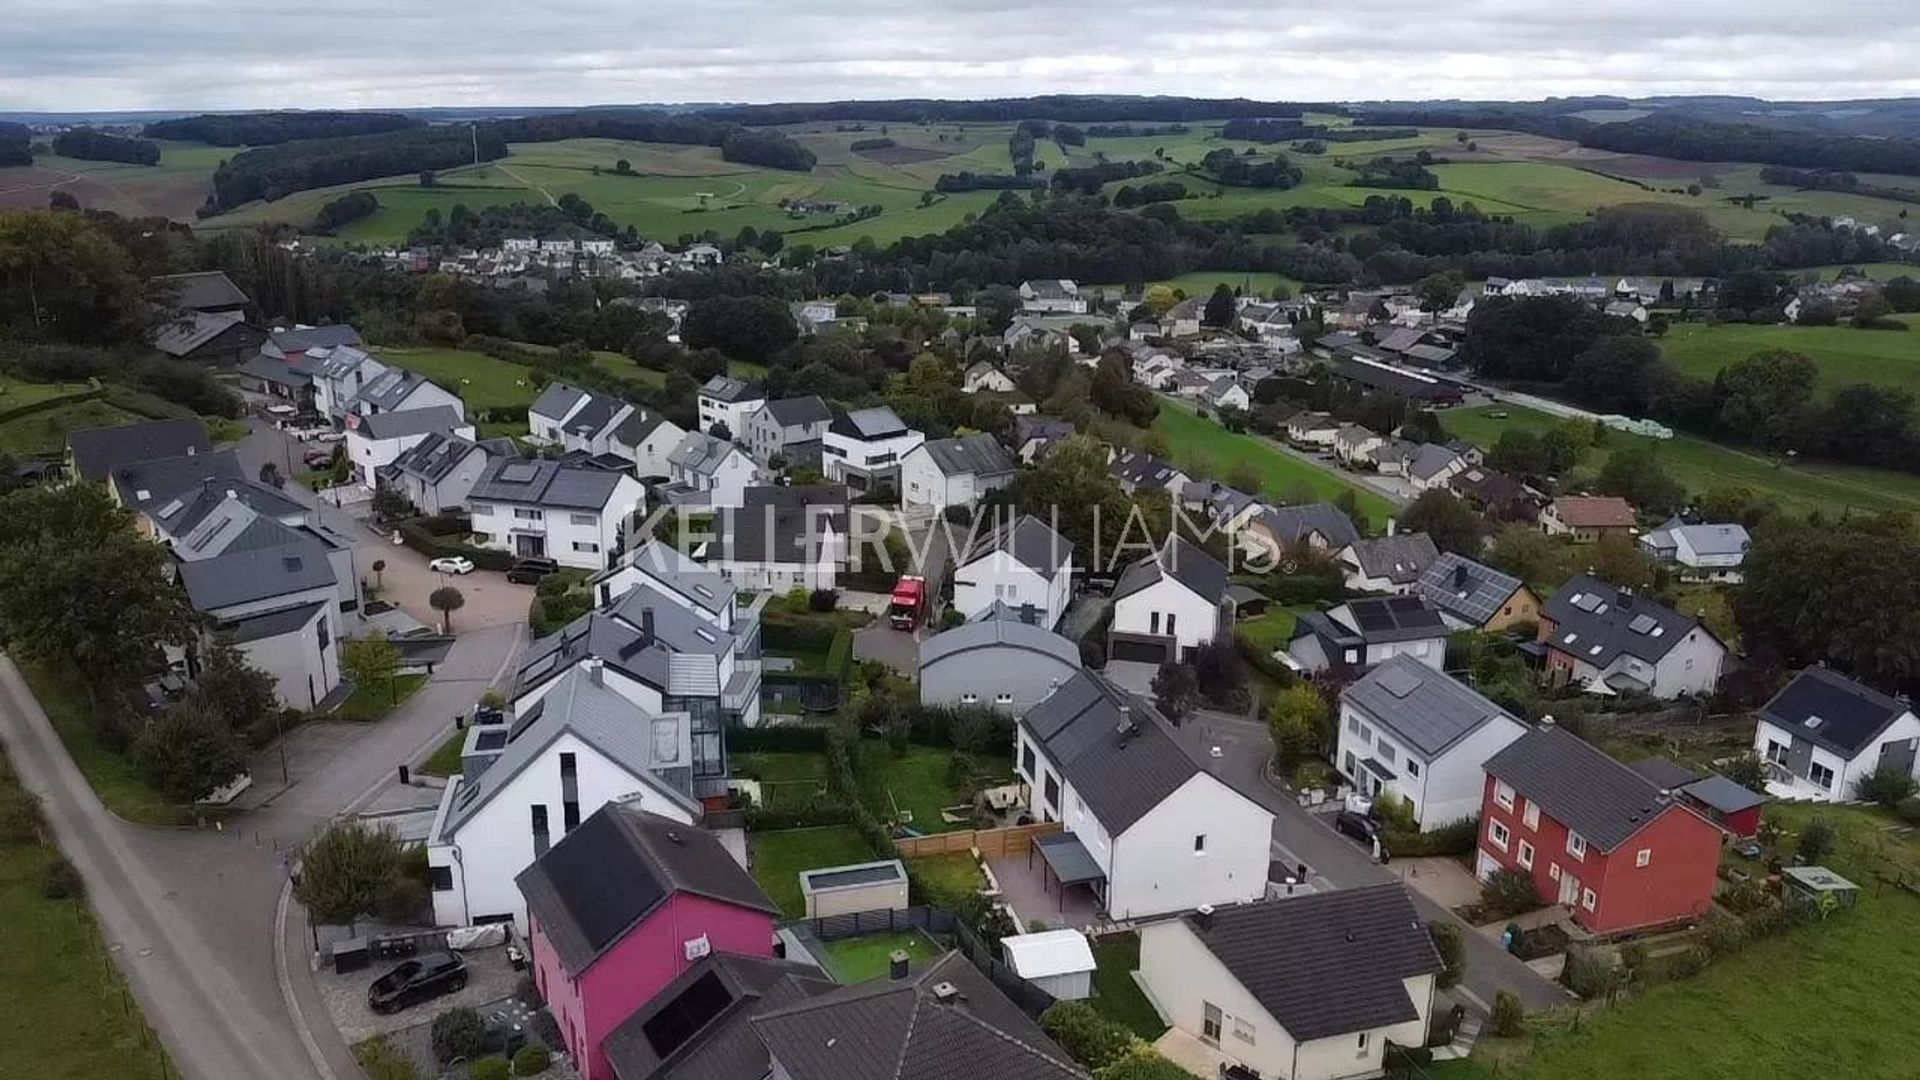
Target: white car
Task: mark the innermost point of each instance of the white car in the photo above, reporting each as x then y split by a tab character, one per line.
451	564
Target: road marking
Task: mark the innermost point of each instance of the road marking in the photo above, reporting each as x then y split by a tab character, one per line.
280	972
1478	1001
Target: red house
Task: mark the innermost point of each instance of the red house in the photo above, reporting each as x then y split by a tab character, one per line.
1611	846
624	905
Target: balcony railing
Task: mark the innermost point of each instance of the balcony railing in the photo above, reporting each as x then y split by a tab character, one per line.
743	689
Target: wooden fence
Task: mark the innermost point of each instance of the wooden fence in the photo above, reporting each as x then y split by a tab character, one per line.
993	843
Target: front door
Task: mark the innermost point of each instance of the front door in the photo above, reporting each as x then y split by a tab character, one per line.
1210	1022
530	546
1569	889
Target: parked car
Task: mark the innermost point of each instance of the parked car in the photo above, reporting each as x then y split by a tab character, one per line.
423	978
451	564
530	571
1357	825
317	458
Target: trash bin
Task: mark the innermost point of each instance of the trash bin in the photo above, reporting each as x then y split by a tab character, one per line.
350	955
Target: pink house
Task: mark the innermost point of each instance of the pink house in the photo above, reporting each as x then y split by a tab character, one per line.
622	906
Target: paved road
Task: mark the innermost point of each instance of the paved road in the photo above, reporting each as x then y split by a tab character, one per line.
1337	862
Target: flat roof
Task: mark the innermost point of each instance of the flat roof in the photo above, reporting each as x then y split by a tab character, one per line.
847	877
1050	952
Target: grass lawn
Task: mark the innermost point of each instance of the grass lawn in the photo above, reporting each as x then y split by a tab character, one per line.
779	857
111	776
949	875
1845	355
785	776
482	381
445	759
1272	630
1702	466
374	702
45	433
1749	1015
1115	994
857	959
1207	450
915	783
68	1016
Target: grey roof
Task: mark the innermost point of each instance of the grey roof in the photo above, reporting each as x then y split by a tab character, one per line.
434	456
1579	785
1430	460
269	624
399	425
1722	794
557	400
1374	620
1664	773
187	511
1402	338
729	389
177	492
978	454
1468	590
389	390
1399	558
660	562
615	869
879	422
794	412
657	750
634	428
1325	964
302	338
1712	540
1832	711
1291	524
273	369
1596	623
594	415
1182	561
1121	776
258	573
768	532
701	453
969	638
1029	541
186	332
1426	709
545	483
97	450
899	1029
720	994
1142	470
1028	428
616	637
202	290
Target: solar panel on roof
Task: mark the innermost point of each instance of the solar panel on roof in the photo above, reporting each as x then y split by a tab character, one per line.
602	880
683	1017
1372	618
1398	681
1585	601
1400	604
519	473
1643	623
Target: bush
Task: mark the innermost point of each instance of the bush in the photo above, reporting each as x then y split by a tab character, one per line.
823	600
1588	974
19	816
823	810
458	1033
490	1068
1724	935
383	1061
1508	893
1909	810
1406	1061
531	1060
1816	841
785	737
1889	786
1509	1019
1091	1039
1453	838
1453	953
63	881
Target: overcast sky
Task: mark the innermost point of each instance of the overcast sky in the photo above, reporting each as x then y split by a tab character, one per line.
56	55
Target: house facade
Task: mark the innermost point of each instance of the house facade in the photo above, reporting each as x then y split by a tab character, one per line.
1021	564
864	449
1350	638
1823	733
995	659
1474	596
784	538
1055	296
954	472
572	515
377	440
1712	553
1421	736
436	473
1594	632
1587	518
645	438
782	428
1387	564
276	599
706	471
1167	604
728	401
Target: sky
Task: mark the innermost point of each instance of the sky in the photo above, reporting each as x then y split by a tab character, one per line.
56	55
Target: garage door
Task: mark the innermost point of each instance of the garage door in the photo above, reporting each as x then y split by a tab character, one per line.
1140	652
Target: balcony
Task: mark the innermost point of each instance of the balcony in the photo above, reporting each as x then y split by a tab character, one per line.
743	689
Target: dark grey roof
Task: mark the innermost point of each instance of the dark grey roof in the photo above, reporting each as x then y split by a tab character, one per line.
1426	709
1182	561
1325	964
598	411
1832	711
390	389
765	532
616	636
879	422
184	511
1722	794
97	450
302	338
701	453
1028	541
899	1029
1595	623
1027	428
258	573
1120	775
976	634
1664	773
1291	524
184	333
545	483
1142	470
557	400
399	425
1399	558
275	370
203	290
1407	384
1468	590
979	454
1372	621
615	868
634	428
270	624
696	1027
729	389
434	456
1430	459
793	412
1579	785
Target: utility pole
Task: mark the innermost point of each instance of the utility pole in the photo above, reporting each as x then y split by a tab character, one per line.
474	131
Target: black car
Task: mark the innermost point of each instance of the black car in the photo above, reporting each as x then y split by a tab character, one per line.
424	977
1357	825
530	571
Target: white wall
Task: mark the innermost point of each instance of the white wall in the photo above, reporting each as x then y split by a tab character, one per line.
650	457
1429	651
303	672
1691	667
1846	773
370	455
598	442
585	543
878	455
1154	868
997	575
733	414
1196	620
1449	787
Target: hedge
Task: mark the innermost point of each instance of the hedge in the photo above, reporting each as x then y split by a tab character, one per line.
416	536
46	404
1453	838
806	815
1263	662
787	632
779	737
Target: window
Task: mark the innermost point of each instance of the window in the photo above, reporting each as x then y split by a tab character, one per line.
1820	775
1387	752
1588	900
1553	871
1499	834
1052	789
1366	734
583	546
1526	854
1210	1021
1169	624
441	878
1353	725
1644	858
1532	816
1502	795
588	520
1026	761
479	508
1413	767
569	793
524	514
539	831
1153	623
1003	699
1776	752
1576	845
1361	1046
1349	770
969	699
1243	1031
1200	844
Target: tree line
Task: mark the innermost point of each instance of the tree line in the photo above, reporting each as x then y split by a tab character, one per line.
271	128
1075	108
16	141
272	172
87	144
345	210
1238	170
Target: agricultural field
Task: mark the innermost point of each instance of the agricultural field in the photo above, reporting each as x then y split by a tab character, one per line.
44	433
1845	355
1700	465
174	188
1206	449
1201	283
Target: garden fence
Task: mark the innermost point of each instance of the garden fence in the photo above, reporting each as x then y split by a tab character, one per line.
943	925
993	843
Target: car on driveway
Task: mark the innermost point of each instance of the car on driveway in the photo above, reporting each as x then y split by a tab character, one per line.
1359	826
530	571
451	564
318	458
422	978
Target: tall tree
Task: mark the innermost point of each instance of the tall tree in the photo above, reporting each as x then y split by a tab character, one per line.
1218	310
1447	520
62	277
350	871
188	751
1847	593
750	328
371	660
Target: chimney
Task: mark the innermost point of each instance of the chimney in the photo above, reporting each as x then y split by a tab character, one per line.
1546	721
897	964
1203	916
1126	719
945	993
593	668
1460	576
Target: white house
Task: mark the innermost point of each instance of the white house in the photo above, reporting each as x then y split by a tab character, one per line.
1313	428
1136	472
273	592
1354	445
1608	638
1226	392
1167	604
339	373
1020	563
1309	987
1350	638
525	784
1387	564
645	438
706	471
376	440
1420	735
984	376
398	390
791	428
1059	296
728	401
954	472
1703	552
1432	466
576	419
1823	733
436	473
864	449
1147	828
570	514
783	538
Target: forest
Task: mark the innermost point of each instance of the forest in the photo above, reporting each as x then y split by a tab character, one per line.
271	172
87	144
271	128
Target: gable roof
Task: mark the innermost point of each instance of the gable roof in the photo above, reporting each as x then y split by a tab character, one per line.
297	564
270	624
911	1029
1430	460
1596	622
557	401
634	428
729	389
701	453
1579	785
545	483
434	456
437	419
97	450
1707	540
1426	709
1374	620
1400	558
1291	524
720	994
1594	511
794	412
1832	711
182	334
778	527
1028	541
978	455
1120	775
202	290
1325	964
1180	560
1144	470
615	869
1466	589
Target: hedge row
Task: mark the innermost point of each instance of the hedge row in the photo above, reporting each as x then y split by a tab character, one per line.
415	536
46	404
798	738
1453	838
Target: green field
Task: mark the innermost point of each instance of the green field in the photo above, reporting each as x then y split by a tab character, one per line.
1702	466
779	857
858	959
44	433
1845	355
1207	450
1201	283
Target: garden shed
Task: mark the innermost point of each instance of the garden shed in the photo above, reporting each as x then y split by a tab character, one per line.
1057	961
847	890
1814	884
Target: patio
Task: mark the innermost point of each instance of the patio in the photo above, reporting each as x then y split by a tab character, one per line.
1032	886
